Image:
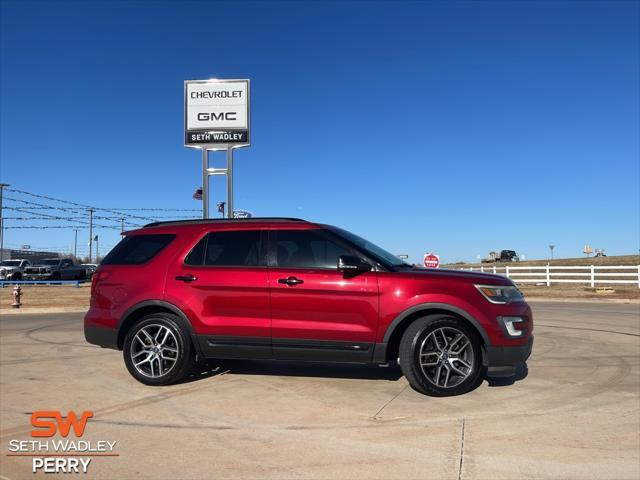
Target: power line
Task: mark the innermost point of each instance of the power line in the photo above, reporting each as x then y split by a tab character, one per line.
14	190
79	218
46	216
44	207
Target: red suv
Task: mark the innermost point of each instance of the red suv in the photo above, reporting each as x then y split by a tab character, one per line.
278	288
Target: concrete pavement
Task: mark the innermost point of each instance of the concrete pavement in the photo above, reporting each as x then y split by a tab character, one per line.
574	413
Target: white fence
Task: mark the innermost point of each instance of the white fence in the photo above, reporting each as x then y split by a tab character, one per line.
548	275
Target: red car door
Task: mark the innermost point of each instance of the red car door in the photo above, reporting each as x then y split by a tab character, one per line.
317	313
222	285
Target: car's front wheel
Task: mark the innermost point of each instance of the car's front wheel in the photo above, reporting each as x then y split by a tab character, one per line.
158	351
441	356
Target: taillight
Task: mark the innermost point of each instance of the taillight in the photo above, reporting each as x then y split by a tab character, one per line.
97	276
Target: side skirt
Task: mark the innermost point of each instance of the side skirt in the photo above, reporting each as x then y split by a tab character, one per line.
257	348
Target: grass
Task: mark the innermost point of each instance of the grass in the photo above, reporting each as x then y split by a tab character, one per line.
576	262
580	291
41	296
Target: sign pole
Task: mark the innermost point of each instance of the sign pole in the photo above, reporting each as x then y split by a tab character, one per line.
205	183
2	185
229	182
217	118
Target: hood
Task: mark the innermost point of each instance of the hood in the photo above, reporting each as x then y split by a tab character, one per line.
462	275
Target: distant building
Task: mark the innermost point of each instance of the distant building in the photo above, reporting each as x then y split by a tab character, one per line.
32	255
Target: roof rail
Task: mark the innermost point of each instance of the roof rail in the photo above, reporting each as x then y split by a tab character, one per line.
223	220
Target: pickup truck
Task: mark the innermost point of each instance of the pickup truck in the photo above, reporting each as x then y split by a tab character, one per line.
502	256
13	269
55	269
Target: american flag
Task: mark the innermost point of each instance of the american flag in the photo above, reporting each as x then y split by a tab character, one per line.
198	194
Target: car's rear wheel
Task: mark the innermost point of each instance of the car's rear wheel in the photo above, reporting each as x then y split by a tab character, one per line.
441	356
158	351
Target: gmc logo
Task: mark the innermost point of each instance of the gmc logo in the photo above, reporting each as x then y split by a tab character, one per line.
204	117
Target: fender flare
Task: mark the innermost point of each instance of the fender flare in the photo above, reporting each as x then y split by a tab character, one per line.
380	352
184	320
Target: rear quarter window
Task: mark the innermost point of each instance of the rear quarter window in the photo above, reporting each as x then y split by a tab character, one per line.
137	249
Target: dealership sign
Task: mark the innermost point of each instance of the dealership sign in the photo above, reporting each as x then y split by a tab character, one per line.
216	112
431	260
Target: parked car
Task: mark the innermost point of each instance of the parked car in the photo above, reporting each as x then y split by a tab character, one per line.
13	269
289	289
55	269
90	268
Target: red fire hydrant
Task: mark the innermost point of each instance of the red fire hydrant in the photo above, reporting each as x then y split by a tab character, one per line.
17	293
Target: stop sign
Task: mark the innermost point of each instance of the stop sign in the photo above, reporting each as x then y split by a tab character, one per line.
431	260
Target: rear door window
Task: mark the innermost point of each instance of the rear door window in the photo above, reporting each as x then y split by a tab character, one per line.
137	249
241	248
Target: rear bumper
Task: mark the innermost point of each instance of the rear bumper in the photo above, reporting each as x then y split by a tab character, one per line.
509	356
103	337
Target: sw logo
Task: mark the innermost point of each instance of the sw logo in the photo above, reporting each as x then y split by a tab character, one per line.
41	420
61	455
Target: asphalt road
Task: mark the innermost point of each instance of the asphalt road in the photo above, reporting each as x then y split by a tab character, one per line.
573	413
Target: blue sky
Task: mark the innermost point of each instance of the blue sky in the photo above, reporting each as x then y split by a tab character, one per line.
452	127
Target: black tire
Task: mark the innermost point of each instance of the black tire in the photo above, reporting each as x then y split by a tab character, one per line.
420	334
180	340
56	276
16	276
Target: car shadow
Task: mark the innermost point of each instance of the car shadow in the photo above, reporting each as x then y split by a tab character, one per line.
211	368
391	372
521	373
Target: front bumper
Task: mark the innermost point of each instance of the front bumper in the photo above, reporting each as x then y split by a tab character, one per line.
33	276
504	360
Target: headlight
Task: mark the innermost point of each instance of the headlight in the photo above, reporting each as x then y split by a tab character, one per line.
500	293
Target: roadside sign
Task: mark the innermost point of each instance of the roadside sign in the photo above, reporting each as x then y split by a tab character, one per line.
216	113
26	247
431	260
242	214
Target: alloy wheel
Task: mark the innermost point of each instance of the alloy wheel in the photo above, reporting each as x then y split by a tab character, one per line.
154	350
446	357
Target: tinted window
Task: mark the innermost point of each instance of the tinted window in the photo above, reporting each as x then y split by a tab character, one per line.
371	249
196	255
230	249
307	249
137	249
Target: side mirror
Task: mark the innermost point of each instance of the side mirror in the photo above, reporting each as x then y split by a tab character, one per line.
352	266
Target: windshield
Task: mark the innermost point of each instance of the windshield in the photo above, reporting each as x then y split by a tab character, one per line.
10	263
373	250
51	261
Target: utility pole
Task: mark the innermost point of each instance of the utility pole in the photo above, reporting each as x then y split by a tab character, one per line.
121	226
75	244
91	210
97	245
2	185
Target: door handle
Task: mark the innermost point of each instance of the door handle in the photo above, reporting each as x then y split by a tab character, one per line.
186	278
291	281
